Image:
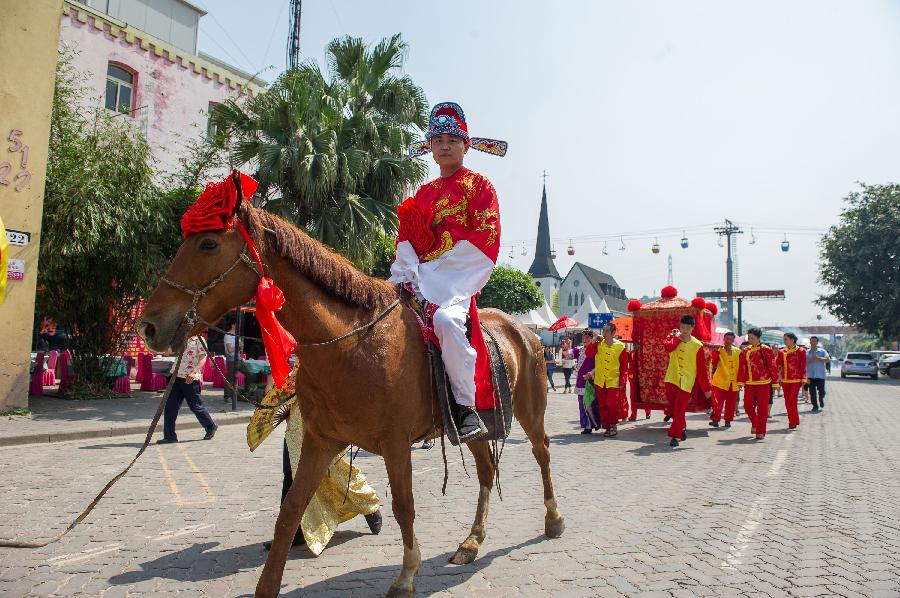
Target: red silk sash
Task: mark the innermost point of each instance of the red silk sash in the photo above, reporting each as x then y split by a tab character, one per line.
279	343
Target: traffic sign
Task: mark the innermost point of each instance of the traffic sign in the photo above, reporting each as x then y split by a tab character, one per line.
598	321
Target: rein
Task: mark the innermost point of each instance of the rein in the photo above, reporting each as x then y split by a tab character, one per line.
159	411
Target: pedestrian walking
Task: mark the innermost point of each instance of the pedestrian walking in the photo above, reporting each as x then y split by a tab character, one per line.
550	361
757	372
686	370
608	377
187	387
724	382
567	363
584	363
816	360
230	343
792	372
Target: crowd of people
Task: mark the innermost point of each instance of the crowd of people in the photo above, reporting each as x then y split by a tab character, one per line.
604	379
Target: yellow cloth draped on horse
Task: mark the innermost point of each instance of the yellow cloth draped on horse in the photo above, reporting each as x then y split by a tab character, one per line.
328	507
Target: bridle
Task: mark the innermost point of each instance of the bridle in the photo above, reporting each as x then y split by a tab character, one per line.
192	316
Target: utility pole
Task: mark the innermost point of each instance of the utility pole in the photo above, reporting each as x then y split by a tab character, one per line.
293	46
728	230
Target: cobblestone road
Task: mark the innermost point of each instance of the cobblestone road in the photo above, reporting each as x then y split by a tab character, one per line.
811	513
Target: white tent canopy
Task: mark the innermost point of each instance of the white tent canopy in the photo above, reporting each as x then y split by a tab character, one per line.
588	307
546	314
532	319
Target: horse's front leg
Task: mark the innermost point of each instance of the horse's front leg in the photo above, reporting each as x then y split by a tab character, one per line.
484	463
398	462
315	456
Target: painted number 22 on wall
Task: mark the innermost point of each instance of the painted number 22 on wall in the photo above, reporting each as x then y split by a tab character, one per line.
21	179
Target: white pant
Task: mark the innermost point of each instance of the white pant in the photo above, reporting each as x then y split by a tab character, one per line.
459	356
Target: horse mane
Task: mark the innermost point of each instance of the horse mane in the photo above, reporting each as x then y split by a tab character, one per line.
323	266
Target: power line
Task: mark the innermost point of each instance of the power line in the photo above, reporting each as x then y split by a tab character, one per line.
237	46
698	230
272	35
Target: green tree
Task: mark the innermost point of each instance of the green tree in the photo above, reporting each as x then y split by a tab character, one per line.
384	253
333	148
511	290
860	261
107	228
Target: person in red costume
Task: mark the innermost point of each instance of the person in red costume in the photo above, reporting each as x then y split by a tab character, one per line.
792	372
757	373
687	369
447	246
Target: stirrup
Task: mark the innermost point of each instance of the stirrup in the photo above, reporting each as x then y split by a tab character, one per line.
471	434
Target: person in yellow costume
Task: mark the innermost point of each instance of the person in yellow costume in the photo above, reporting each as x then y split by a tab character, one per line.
687	369
335	501
724	382
609	375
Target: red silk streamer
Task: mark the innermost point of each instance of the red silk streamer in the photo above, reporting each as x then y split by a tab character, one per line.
279	343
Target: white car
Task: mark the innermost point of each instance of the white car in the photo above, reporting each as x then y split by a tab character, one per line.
859	364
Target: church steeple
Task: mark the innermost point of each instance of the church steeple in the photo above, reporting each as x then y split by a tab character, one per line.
543	266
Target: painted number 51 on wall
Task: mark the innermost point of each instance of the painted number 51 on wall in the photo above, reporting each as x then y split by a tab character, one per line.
20	179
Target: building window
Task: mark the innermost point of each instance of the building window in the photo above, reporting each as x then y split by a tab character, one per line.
119	88
576	283
538	283
570	299
582	299
210	125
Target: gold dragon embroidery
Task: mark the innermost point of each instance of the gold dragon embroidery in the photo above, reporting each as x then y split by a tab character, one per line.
482	217
443	209
446	245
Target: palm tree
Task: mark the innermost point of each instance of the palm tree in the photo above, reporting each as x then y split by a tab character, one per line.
333	148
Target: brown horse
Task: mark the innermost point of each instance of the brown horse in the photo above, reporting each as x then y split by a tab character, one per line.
371	390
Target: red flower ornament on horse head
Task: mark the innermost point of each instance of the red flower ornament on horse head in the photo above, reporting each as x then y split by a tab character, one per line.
215	208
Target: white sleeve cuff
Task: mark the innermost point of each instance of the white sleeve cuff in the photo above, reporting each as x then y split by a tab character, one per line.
455	276
406	266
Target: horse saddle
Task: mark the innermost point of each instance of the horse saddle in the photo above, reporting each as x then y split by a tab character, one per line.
498	420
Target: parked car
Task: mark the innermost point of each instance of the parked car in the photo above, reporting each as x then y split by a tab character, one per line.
887	362
859	364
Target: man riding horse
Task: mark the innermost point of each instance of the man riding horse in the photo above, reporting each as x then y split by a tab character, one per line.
447	246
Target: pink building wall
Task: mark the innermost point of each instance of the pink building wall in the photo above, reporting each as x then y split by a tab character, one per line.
173	87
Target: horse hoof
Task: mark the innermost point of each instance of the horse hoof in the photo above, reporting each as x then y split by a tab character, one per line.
401	592
554	528
464	555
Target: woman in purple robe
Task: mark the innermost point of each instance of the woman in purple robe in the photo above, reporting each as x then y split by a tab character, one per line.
584	363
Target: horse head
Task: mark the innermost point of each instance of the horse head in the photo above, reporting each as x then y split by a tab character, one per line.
212	273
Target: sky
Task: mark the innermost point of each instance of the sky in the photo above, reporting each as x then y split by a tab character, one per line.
647	116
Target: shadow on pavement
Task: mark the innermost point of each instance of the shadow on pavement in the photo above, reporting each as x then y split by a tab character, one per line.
200	563
436	575
136	445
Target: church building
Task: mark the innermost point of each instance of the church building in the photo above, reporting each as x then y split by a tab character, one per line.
542	269
582	285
